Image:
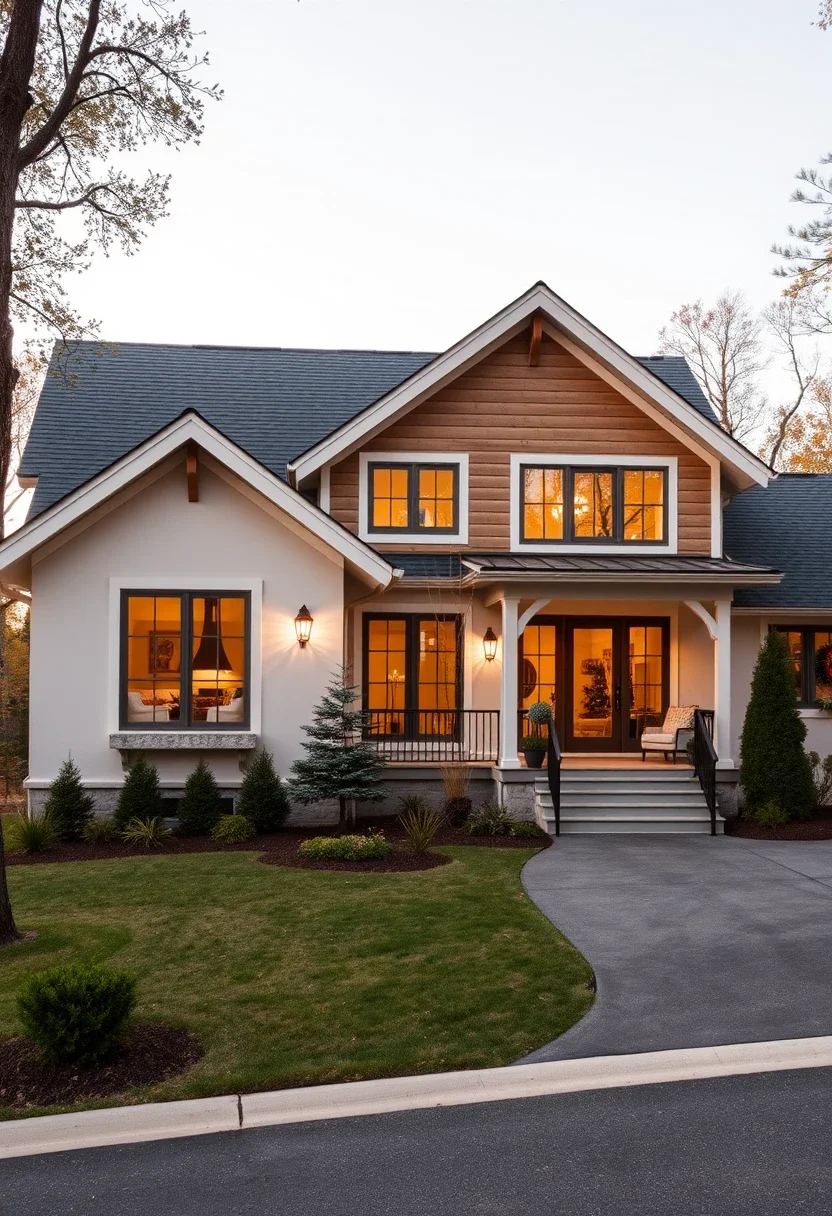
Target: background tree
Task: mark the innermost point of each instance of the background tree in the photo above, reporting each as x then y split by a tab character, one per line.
81	83
807	444
788	325
724	345
339	763
774	768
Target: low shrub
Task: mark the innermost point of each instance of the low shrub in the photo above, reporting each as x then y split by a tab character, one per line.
419	824
456	779
412	802
491	820
533	743
140	796
233	829
146	833
822	778
345	848
101	831
457	811
30	834
201	804
524	828
771	815
75	1012
68	806
262	798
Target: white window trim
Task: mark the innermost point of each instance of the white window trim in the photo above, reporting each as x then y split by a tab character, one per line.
575	460
365	459
185	583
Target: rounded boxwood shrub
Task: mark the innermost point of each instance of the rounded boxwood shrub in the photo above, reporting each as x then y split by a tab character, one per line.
539	713
345	848
75	1012
233	829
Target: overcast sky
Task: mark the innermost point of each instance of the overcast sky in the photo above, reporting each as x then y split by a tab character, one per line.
388	175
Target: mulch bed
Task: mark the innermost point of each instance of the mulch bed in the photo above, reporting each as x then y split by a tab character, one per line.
281	849
817	828
150	1053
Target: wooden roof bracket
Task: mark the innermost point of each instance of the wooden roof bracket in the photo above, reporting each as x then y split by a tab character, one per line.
192	472
535	340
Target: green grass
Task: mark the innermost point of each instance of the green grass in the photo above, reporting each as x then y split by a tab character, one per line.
297	977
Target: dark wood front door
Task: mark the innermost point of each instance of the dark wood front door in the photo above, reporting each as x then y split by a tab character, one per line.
616	679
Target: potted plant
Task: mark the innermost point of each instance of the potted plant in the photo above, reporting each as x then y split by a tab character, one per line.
534	745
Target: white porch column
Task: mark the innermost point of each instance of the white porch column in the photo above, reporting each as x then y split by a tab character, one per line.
722	683
509	684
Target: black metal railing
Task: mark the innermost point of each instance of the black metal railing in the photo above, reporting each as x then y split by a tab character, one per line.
553	759
434	736
705	758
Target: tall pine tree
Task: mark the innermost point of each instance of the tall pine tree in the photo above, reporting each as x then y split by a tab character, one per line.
774	766
339	763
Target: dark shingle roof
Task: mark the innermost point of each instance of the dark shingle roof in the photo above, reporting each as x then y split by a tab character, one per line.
787	525
275	403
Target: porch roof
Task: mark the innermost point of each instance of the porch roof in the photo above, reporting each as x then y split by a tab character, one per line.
489	567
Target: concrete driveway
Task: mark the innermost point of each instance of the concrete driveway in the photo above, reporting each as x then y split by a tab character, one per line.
695	940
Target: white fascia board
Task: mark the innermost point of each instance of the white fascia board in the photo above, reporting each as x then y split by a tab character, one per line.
190	427
493	333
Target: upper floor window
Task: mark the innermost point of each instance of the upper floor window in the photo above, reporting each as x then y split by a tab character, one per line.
593	505
810	651
413	498
185	660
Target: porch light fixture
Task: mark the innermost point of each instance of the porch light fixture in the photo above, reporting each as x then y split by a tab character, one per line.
489	644
303	625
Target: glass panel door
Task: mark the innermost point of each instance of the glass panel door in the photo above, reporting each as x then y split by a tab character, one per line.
438	677
592	721
645	678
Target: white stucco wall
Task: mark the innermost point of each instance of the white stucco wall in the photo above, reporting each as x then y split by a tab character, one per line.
160	535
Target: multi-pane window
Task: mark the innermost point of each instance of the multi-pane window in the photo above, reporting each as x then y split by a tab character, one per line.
185	660
810	654
413	498
412	668
580	506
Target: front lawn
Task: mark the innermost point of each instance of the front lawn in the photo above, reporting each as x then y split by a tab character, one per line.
298	977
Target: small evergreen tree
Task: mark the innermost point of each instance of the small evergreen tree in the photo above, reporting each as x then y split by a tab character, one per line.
774	765
262	798
596	698
201	804
68	806
140	796
339	763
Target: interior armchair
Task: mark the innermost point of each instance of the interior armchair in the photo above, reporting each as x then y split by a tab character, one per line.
673	734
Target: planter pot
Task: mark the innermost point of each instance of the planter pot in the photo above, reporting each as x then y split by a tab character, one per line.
535	759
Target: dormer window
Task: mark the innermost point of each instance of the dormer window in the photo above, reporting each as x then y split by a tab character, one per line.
577	506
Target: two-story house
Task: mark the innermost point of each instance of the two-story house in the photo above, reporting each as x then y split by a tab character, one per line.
532	515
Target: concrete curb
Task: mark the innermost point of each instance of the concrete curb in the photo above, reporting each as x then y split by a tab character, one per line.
167	1120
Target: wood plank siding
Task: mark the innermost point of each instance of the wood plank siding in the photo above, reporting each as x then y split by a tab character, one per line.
502	406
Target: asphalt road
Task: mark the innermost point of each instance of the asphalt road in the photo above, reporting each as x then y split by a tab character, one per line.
695	940
738	1146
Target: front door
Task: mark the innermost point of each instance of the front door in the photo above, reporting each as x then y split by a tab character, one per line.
616	681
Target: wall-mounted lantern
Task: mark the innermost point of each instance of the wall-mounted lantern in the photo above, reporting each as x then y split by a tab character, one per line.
489	644
303	625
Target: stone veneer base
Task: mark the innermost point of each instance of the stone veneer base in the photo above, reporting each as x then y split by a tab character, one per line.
184	740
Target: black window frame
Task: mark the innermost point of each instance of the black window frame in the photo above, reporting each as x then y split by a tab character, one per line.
413	469
808	690
411	707
186	598
568	473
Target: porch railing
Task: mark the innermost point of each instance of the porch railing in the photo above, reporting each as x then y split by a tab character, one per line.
434	736
705	758
553	759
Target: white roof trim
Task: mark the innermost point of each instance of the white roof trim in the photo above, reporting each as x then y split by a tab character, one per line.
489	336
190	427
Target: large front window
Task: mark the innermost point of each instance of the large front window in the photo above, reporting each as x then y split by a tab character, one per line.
185	660
579	506
412	675
810	654
413	498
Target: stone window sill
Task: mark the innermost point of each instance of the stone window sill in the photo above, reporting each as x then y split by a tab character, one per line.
815	713
183	740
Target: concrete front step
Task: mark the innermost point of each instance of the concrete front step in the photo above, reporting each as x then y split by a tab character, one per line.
643	825
650	796
625	800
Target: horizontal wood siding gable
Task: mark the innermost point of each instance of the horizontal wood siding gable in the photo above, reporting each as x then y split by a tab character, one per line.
502	406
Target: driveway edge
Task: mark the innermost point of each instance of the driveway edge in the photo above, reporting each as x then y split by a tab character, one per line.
203	1116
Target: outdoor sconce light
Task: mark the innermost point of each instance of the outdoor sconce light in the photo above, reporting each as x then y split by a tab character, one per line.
489	644
303	625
